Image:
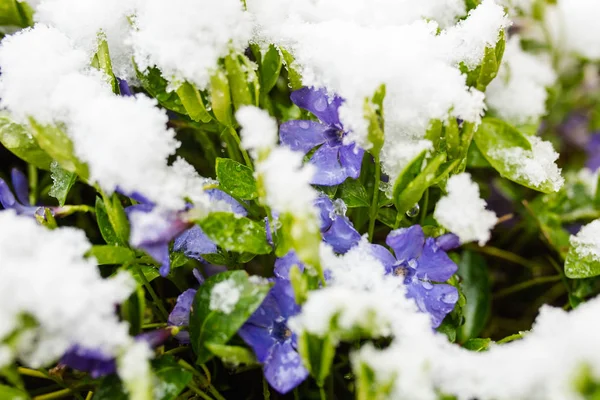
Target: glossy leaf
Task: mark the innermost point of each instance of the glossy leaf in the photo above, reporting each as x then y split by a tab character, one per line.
117	217
153	82
13	13
215	326
133	309
102	62
62	181
104	225
295	78
238	82
111	255
11	393
270	68
193	103
235	233
234	355
477	288
477	344
409	173
354	194
19	140
221	98
578	267
236	179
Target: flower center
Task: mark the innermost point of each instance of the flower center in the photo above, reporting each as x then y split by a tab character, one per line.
400	271
280	330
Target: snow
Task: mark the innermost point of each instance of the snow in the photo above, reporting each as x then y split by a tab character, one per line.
134	370
224	296
259	130
60	288
536	166
519	93
463	212
185	38
587	241
573	25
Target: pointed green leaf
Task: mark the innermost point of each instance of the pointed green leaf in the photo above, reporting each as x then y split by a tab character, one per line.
236	179
11	393
234	355
104	225
193	103
111	255
238	82
354	193
317	354
412	193
153	82
221	98
235	233
477	288
19	140
62	181
270	69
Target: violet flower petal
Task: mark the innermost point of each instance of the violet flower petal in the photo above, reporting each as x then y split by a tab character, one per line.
193	243
180	315
7	198
303	135
351	159
384	256
21	186
284	264
436	300
267	312
318	102
329	172
284	369
259	339
593	152
283	293
124	88
407	243
219	195
341	236
94	362
447	242
434	264
325	205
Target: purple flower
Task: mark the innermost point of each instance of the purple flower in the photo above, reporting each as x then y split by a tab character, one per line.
274	344
124	88
154	237
98	364
336	229
180	316
334	160
422	261
21	203
593	152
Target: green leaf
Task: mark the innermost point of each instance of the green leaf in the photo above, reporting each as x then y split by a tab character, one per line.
318	354
193	103
221	98
170	382
238	82
133	309
270	69
102	62
234	355
19	140
369	385
477	344
299	284
59	146
411	195
111	255
410	172
62	181
153	82
236	179
489	69
434	132
12	376
354	193
11	14
475	159
373	112
149	271
11	393
495	135
117	217
104	225
452	136
477	288
295	78
215	326
235	233
578	267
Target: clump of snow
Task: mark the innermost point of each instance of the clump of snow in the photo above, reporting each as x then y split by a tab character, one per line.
259	129
537	166
519	93
587	241
93	17
352	54
590	179
134	370
397	154
574	28
224	296
287	182
186	38
60	288
463	212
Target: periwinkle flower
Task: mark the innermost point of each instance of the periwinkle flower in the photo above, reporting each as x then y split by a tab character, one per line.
274	344
592	149
20	204
421	262
98	364
153	235
124	88
334	160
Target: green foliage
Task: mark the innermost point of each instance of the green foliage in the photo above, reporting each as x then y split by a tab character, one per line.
235	233
578	267
354	193
221	98
270	68
193	102
111	255
233	355
157	86
11	393
133	310
214	326
317	353
368	387
20	141
117	218
476	287
236	179
15	13
62	181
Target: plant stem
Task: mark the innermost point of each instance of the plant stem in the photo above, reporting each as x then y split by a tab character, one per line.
202	379
54	395
155	325
199	391
505	255
33	373
322	393
236	137
89	396
33	183
425	206
266	391
157	301
375	200
524	285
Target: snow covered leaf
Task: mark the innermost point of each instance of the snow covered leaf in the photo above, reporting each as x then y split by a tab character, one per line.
193	103
233	355
583	258
62	181
236	179
270	67
153	82
221	306
102	62
104	225
235	233
528	161
354	193
577	267
295	78
20	142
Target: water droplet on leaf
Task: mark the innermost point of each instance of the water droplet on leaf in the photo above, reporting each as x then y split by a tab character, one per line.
413	212
238	168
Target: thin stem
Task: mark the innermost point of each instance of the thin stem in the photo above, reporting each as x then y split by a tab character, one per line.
375	201
266	391
505	255
425	206
236	137
54	395
202	379
155	325
33	373
89	396
198	391
157	301
510	338
525	285
33	183
322	393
